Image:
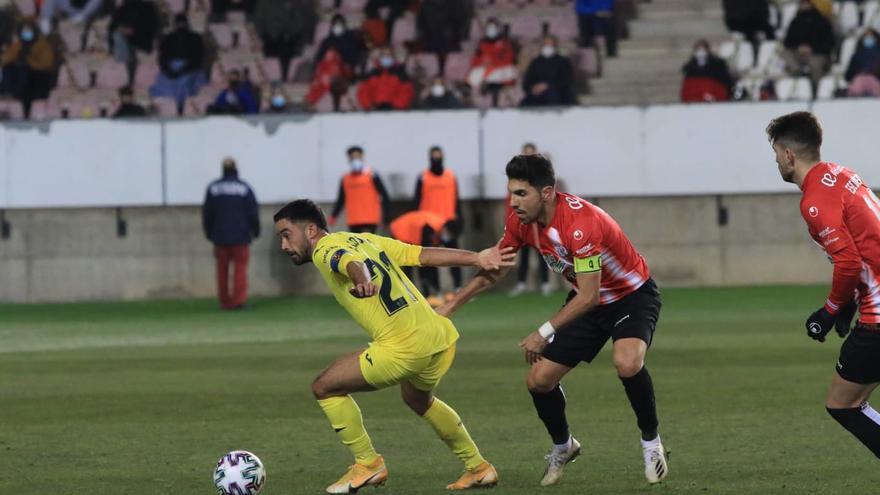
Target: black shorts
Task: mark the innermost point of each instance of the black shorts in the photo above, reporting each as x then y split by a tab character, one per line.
859	360
634	316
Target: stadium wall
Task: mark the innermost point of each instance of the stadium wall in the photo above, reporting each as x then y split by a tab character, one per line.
667	173
77	254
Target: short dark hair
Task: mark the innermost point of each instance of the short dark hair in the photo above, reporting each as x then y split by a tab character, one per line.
534	169
302	210
354	149
435	148
799	130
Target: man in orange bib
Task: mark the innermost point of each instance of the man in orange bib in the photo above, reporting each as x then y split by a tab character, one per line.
362	194
437	192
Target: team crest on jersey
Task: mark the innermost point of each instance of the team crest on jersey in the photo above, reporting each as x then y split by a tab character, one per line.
813	211
578	235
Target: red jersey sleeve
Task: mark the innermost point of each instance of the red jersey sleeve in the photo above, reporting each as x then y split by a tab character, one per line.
511	233
823	211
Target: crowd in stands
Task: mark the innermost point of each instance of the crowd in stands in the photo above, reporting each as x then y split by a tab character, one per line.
79	58
790	49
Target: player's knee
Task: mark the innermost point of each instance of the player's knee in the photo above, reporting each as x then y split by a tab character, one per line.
539	385
321	389
628	365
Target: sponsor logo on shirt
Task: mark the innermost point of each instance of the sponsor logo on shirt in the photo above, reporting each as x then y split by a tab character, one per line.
825	233
584	249
578	235
813	211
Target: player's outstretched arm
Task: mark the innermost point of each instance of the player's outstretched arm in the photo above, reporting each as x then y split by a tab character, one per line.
482	281
360	277
586	299
489	259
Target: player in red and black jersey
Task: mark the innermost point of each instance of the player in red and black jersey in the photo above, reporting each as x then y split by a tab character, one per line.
843	217
613	297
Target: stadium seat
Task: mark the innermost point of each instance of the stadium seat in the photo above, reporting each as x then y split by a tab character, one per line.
111	75
794	89
869	12
827	86
457	66
526	27
727	49
847	49
563	26
789	10
165	107
11	109
768	57
422	66
27	8
587	61
848	18
404	29
745	58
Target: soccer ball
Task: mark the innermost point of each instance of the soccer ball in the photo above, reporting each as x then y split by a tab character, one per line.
239	473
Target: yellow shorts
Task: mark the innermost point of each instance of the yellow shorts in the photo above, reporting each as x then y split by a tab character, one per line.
383	369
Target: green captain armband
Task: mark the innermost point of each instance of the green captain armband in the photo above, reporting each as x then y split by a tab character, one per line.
588	265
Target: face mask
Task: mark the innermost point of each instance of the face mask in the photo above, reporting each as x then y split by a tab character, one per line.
357	165
548	51
338	30
386	62
869	42
436	166
492	31
278	101
438	90
27	35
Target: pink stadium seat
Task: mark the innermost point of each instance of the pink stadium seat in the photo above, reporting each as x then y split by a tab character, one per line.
176	6
146	75
457	66
65	78
11	110
112	75
404	29
272	68
587	60
563	26
166	107
526	27
321	31
422	65
26	7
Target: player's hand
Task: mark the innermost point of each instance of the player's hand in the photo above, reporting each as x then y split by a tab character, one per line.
444	310
533	345
331	220
843	322
819	324
493	258
366	289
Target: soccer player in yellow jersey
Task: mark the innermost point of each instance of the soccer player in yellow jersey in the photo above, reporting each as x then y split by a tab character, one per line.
412	345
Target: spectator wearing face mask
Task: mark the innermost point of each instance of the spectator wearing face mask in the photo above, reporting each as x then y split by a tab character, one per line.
181	56
362	194
492	66
437	192
706	77
284	26
28	66
387	87
237	98
127	106
808	43
347	43
863	69
596	18
440	97
549	78
278	102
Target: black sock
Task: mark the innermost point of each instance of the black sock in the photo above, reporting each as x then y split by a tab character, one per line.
860	424
640	390
551	410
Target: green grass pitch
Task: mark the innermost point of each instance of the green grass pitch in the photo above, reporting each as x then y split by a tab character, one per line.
134	398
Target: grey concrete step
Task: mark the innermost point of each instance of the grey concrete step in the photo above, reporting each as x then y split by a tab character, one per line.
666	13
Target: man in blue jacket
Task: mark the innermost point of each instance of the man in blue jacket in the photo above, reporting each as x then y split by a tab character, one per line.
231	220
596	18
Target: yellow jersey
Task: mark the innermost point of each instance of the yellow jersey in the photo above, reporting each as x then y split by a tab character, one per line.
398	317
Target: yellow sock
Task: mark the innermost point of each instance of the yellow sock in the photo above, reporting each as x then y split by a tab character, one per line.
450	429
345	417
